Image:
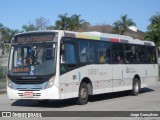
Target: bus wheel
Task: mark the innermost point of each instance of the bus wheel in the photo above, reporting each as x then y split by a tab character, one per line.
136	87
83	94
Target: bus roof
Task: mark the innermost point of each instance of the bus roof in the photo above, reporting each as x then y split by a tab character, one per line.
107	37
94	35
37	31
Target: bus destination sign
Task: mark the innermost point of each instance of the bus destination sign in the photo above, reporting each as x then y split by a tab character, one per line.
35	38
25	69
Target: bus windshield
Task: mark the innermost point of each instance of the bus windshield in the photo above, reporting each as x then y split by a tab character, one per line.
32	59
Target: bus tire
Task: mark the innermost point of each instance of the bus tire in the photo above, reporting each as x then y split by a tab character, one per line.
83	94
136	87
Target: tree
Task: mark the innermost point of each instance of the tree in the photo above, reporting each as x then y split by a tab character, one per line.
76	22
31	27
85	25
40	24
117	27
70	23
63	22
153	30
120	26
6	36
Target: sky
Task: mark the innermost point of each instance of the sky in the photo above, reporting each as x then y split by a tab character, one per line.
16	13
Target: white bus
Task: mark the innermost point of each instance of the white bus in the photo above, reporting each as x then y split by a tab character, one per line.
50	65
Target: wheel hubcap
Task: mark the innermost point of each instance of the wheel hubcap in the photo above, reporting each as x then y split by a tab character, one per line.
83	93
136	87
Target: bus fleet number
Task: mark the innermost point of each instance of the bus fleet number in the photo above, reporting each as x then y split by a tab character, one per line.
92	71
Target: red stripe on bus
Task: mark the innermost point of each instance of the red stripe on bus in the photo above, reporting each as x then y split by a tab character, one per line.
114	40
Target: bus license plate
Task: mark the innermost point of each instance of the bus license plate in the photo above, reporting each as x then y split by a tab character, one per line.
28	94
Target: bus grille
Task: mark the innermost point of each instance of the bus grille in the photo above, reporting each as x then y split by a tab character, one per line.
35	95
29	81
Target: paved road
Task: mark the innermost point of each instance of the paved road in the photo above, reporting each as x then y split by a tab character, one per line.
147	100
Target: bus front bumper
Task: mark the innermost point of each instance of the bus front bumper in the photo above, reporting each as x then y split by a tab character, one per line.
49	93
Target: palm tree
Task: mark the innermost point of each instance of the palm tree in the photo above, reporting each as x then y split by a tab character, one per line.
154	36
76	22
120	26
153	33
63	22
116	27
155	22
71	23
85	25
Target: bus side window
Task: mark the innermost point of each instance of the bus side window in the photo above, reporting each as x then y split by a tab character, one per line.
155	56
117	53
103	54
83	52
91	53
141	54
151	59
130	54
68	56
86	52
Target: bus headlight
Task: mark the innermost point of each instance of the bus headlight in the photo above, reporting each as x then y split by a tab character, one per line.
9	83
50	82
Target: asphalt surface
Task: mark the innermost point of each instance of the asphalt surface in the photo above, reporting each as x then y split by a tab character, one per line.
147	100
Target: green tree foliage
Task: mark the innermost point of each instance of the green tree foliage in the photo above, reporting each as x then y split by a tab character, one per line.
72	23
63	22
76	22
120	26
26	28
7	33
6	36
153	30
